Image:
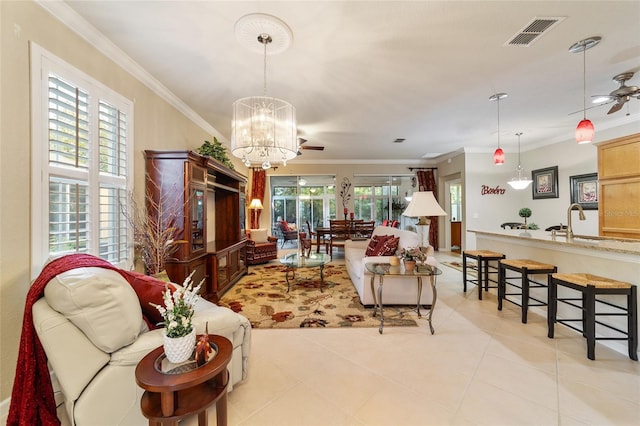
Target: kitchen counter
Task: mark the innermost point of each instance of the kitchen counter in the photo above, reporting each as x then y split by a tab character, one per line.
612	258
619	245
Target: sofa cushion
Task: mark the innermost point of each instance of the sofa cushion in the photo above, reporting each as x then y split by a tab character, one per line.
285	226
258	236
100	302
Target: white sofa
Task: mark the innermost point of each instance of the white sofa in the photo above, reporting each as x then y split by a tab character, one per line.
398	290
91	327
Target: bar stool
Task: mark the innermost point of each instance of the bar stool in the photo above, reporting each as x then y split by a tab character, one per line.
525	268
482	257
589	286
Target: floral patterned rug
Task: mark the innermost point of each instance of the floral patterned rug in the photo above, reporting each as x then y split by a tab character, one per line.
262	297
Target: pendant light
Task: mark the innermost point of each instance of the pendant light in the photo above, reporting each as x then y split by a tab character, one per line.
263	128
585	130
519	182
498	155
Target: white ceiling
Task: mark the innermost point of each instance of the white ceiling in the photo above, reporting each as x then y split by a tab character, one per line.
363	73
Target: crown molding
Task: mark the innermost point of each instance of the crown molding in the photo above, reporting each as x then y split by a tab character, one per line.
76	23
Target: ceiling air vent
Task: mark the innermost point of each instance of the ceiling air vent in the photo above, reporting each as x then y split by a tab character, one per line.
531	32
399	140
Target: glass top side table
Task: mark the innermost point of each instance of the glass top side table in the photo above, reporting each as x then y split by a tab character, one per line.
384	269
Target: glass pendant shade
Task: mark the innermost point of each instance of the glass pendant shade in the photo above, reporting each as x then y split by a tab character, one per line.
585	131
263	130
519	182
498	157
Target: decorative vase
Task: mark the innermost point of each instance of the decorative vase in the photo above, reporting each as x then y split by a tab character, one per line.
394	261
179	349
409	265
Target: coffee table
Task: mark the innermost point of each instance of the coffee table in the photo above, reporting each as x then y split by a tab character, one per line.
173	391
296	261
383	269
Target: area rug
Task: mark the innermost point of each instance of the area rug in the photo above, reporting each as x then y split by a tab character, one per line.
458	267
262	297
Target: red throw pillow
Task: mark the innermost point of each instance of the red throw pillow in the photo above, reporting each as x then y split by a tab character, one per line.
285	226
388	247
150	289
375	243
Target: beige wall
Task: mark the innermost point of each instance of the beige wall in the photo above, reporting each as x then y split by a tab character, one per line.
157	126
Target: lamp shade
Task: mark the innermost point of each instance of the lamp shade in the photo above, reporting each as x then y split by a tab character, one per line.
585	131
498	157
423	203
263	130
256	204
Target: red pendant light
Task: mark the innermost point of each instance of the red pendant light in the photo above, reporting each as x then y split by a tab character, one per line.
585	130
498	155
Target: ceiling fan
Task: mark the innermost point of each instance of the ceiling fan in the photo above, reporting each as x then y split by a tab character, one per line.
302	142
621	95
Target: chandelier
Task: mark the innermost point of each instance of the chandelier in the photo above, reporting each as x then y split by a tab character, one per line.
519	182
263	128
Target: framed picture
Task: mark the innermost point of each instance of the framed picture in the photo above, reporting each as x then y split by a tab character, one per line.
584	190
545	183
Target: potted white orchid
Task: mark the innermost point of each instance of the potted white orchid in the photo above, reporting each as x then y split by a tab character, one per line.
177	312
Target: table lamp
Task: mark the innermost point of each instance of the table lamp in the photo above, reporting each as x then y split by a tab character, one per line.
422	205
256	204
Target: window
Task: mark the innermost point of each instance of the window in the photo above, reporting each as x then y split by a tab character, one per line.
298	199
81	164
380	197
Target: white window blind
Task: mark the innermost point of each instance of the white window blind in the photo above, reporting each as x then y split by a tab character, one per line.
81	163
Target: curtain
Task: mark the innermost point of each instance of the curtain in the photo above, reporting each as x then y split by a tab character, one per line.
258	181
427	182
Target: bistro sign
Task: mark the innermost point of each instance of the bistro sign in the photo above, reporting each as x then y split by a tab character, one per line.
487	190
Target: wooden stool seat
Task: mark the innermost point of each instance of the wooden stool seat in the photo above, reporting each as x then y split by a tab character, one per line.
483	268
594	280
589	286
525	268
484	253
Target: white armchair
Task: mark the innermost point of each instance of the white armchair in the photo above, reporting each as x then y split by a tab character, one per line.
396	290
91	327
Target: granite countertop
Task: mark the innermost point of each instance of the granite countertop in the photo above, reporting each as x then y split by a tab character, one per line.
620	245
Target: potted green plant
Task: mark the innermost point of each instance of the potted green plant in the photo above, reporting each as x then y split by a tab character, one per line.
525	212
217	151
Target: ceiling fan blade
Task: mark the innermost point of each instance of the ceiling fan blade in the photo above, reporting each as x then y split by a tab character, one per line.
313	147
591	107
616	107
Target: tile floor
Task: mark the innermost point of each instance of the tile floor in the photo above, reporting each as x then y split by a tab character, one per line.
481	367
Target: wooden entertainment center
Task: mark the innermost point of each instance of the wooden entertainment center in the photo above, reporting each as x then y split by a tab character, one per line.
207	201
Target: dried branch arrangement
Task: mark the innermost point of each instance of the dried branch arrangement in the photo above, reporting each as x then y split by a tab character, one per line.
155	234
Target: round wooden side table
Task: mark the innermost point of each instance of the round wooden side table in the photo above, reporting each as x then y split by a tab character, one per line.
173	392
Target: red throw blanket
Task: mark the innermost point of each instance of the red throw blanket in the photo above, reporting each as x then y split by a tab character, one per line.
32	400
